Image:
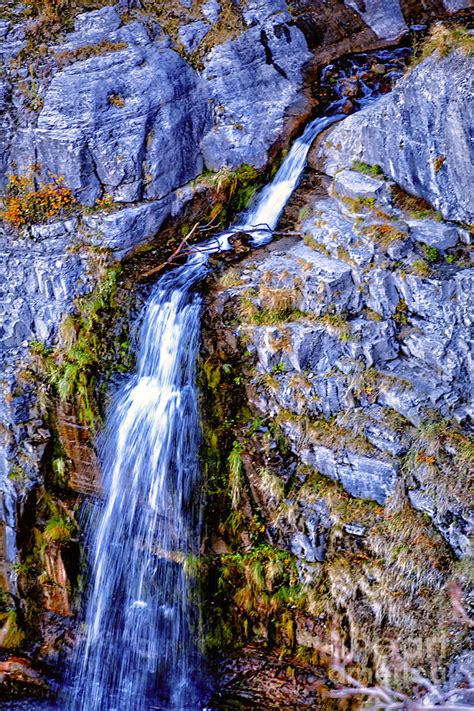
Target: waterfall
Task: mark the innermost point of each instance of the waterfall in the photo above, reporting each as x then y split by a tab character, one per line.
140	629
139	623
140	648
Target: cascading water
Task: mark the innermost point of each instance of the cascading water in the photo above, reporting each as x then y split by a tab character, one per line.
139	621
141	644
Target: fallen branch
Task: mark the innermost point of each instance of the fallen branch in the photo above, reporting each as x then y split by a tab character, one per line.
184	249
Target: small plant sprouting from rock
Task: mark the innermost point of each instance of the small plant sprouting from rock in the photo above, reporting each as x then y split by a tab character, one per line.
431	253
401	313
117	101
235	473
31	200
421	268
367	169
445	40
58	530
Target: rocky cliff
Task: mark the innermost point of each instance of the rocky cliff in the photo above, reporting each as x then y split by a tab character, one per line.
349	448
357	340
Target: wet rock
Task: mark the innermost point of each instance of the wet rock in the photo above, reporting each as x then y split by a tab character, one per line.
55	586
349	88
18	678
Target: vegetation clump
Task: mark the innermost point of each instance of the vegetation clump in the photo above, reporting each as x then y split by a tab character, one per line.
417	207
66	57
367	169
444	40
31	200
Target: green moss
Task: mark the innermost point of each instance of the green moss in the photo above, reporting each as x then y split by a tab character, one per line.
88	350
58	530
14	634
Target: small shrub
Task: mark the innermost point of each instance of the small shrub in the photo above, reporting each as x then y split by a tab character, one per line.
431	253
421	268
445	40
105	202
338	324
401	313
367	169
31	201
58	530
385	234
438	163
304	213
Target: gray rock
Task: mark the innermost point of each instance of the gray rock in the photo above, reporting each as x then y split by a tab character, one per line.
192	35
455	5
144	147
384	17
440	235
309	540
362	477
258	11
253	81
334	233
419	134
355	529
123	230
211	10
455	525
98	21
357	186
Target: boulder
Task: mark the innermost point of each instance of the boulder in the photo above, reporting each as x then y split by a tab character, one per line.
384	17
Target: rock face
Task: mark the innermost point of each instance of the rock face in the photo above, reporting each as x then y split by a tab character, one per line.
419	134
136	102
102	122
351	347
242	74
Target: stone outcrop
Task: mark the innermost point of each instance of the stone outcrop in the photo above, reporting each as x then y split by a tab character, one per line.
419	135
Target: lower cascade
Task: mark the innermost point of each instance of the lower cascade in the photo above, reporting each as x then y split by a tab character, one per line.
139	619
141	645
